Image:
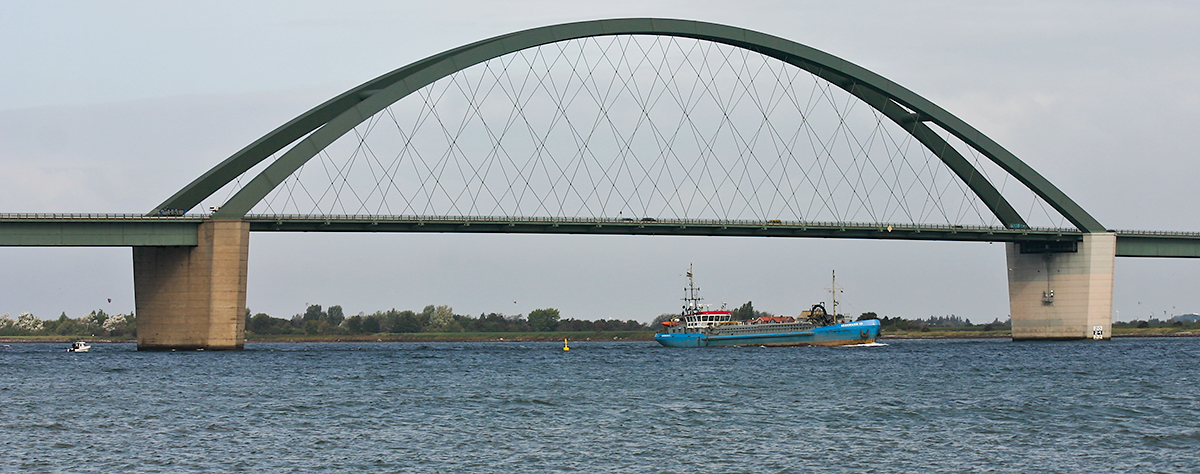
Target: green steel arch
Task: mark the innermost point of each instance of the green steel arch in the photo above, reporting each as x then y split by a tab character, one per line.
327	122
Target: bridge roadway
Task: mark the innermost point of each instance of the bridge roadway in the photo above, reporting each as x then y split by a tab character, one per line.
134	230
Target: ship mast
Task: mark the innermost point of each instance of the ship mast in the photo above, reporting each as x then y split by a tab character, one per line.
691	295
834	289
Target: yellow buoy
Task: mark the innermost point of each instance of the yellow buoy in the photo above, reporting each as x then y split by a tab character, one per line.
565	348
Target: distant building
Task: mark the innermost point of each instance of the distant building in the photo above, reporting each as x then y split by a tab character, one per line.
1186	318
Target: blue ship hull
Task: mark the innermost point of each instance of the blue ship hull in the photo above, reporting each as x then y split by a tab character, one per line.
858	332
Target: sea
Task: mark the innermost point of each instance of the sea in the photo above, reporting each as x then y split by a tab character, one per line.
1129	405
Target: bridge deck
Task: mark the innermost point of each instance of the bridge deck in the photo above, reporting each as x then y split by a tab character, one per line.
96	230
653	226
132	230
1142	243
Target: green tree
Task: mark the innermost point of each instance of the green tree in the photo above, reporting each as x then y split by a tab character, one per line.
354	324
260	324
92	323
131	324
867	315
66	326
744	312
408	322
542	320
370	324
335	315
313	313
453	326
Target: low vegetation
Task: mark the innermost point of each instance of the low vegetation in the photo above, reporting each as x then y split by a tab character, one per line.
95	324
939	326
440	323
316	321
953	326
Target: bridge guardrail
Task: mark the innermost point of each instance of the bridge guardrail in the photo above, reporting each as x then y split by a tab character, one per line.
547	219
95	216
659	221
1156	233
594	220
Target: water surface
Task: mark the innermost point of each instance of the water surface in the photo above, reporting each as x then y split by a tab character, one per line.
950	405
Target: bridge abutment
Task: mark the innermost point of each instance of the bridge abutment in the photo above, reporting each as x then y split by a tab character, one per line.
1062	295
194	297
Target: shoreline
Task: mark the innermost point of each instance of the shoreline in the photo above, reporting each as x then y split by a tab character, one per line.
1009	336
406	337
542	337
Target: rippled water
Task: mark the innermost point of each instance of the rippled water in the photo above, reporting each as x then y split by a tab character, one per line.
1129	405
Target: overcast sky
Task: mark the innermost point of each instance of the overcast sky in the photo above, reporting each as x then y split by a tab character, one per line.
113	106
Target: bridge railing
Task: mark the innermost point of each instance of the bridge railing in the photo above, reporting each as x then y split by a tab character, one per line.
1167	233
652	221
567	220
95	216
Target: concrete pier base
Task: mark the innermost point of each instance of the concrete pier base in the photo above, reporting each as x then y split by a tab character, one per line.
1062	295
190	298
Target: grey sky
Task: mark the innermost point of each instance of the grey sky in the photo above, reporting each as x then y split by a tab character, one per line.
111	107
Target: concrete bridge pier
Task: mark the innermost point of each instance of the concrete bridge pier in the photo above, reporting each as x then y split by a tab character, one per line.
1059	295
190	298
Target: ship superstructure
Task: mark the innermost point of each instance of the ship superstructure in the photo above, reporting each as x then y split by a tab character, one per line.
696	315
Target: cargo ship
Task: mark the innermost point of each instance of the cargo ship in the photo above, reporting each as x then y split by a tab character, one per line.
697	326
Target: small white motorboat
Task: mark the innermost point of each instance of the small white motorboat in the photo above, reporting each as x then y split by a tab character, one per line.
79	346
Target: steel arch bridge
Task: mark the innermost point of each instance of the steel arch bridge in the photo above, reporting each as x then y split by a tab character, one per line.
190	269
316	129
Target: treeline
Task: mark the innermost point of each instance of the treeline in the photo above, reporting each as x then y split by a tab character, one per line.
1156	323
332	321
96	323
952	321
933	322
